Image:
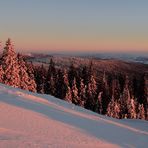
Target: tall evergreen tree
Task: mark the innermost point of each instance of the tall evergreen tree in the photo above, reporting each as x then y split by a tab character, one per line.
115	89
105	95
1	74
26	82
31	73
72	73
99	103
125	99
24	78
113	109
131	109
10	65
141	112
75	98
51	79
91	94
68	96
40	79
62	84
82	93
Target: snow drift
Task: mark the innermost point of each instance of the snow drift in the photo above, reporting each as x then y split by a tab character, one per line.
42	121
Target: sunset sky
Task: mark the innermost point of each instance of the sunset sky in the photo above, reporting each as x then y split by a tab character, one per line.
75	25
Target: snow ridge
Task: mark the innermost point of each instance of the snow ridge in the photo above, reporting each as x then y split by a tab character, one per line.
34	120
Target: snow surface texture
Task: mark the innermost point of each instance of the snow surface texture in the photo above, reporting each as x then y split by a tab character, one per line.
30	120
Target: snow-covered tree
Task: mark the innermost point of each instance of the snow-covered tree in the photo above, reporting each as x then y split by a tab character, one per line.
141	112
74	90
113	109
26	82
24	78
68	96
32	84
131	109
62	84
91	94
82	93
1	74
10	65
99	103
125	99
106	93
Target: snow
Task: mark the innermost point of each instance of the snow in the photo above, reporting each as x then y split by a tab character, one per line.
42	121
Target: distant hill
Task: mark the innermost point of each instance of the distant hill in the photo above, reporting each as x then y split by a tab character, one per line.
108	65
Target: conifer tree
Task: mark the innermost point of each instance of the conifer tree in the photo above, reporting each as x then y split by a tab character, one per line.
1	74
99	103
105	93
75	98
115	89
68	96
91	94
62	84
125	99
131	109
26	81
40	79
50	79
146	90
72	73
31	73
113	109
24	78
82	93
10	65
141	112
85	75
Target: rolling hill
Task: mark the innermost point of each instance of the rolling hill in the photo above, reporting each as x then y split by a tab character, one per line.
42	121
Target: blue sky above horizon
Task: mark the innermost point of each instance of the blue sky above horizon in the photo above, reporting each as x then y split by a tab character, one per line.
75	25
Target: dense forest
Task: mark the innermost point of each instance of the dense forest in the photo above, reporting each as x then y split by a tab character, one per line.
118	95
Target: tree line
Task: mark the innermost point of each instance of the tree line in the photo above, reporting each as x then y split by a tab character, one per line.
115	95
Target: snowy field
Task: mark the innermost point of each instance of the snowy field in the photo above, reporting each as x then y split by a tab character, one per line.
30	120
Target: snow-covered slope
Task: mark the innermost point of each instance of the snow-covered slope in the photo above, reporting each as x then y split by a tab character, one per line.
30	120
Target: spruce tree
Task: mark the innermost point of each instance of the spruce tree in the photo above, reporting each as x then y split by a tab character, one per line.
99	103
131	109
24	78
115	89
68	96
26	82
82	93
106	94
141	112
1	74
91	94
50	79
31	73
40	79
10	65
72	73
75	98
125	99
62	84
113	109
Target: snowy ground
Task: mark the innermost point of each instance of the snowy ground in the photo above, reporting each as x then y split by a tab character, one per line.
30	120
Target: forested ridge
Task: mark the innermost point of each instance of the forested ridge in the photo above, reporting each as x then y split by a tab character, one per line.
115	94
